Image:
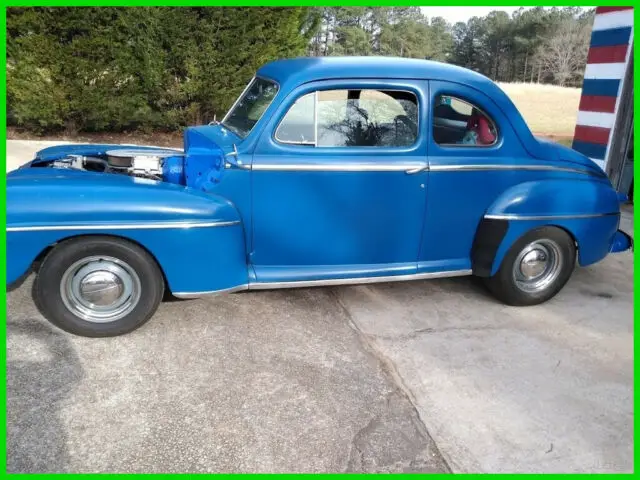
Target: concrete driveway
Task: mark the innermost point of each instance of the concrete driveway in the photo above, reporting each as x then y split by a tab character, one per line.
334	379
20	152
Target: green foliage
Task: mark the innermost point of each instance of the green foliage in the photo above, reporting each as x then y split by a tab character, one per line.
513	49
505	48
114	69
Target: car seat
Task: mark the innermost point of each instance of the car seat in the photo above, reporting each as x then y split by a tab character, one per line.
479	123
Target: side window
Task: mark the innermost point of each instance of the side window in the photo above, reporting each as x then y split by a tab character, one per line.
352	118
298	125
458	122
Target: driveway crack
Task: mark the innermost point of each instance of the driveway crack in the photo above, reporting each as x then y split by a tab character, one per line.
415	333
400	390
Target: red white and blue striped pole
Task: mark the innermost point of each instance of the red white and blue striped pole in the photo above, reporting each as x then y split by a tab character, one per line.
607	62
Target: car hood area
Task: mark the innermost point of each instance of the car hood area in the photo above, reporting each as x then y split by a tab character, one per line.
61	151
44	196
199	165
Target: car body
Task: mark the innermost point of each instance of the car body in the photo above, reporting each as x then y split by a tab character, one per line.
275	196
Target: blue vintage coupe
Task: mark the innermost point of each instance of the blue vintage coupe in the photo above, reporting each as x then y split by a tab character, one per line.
325	171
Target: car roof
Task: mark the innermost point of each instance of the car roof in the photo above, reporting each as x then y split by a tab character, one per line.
290	73
309	69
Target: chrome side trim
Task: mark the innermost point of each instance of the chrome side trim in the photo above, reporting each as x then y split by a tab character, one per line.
238	165
188	295
479	167
381	167
131	226
548	217
323	283
343	167
357	280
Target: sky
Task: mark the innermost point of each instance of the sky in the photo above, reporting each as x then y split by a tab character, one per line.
462	14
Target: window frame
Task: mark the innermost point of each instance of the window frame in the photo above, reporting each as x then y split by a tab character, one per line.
314	144
473	105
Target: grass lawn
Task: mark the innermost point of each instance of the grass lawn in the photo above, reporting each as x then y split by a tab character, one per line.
549	110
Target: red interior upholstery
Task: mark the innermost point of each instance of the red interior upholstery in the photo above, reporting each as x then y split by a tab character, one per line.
479	124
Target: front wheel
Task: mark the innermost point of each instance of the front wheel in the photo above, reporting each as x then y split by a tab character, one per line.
98	286
535	268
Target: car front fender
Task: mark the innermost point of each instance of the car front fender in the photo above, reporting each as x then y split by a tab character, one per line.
196	238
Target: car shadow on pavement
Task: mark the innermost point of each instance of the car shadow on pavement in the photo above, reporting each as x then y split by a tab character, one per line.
38	382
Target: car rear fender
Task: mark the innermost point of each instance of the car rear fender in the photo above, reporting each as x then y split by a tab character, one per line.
588	210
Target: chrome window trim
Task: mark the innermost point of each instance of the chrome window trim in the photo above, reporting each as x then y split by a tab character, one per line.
315	118
293	142
122	226
510	216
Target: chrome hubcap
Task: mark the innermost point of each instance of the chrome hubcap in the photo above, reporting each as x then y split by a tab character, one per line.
537	266
100	289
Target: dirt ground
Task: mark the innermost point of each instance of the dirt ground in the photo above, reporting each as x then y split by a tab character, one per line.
160	139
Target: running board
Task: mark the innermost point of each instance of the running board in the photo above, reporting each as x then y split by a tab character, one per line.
329	282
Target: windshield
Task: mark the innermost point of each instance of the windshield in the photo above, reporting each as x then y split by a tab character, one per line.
250	106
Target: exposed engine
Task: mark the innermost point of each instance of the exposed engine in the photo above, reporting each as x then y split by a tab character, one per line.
199	165
146	164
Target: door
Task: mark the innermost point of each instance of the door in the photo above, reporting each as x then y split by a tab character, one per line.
339	182
474	154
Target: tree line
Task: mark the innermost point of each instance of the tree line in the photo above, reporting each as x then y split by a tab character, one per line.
161	68
532	45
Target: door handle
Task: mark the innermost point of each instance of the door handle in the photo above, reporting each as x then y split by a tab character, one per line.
239	165
412	171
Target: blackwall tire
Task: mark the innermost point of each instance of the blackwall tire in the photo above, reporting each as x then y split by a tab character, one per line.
536	267
98	286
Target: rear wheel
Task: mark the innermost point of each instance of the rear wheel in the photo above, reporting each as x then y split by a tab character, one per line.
535	268
98	286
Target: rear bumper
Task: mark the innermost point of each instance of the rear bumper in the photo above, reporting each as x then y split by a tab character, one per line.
621	242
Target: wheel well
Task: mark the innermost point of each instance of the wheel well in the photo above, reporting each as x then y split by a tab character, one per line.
490	235
35	265
571	236
567	231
